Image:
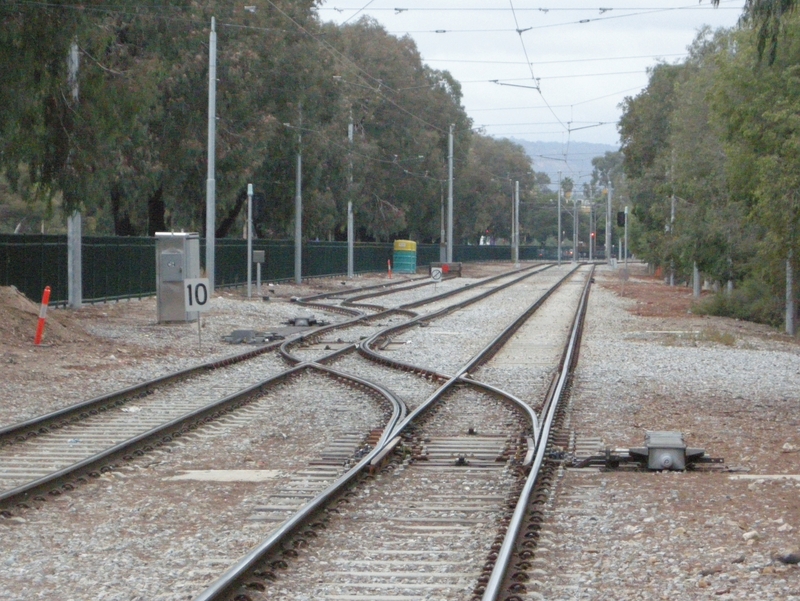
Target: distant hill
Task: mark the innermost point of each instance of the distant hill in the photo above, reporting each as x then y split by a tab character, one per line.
573	161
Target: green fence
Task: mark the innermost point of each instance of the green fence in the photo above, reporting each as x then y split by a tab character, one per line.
125	267
31	262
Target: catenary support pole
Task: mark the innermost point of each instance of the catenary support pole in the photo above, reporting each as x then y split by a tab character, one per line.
74	261
559	218
350	225
298	209
443	232
575	223
516	224
211	185
511	240
74	233
450	195
609	226
789	295
626	237
672	235
249	228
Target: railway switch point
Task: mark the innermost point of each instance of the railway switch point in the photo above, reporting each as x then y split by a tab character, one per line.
663	451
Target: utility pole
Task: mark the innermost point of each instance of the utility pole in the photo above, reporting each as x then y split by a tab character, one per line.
511	237
350	225
559	218
443	223
249	240
516	224
450	195
74	235
626	236
789	295
591	237
609	225
298	207
575	230
211	183
672	236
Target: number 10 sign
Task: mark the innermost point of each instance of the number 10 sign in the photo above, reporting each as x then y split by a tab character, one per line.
195	294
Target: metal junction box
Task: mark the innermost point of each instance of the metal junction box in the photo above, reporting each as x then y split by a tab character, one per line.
177	258
665	450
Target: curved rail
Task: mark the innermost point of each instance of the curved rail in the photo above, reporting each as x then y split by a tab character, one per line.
164	433
234	576
406	308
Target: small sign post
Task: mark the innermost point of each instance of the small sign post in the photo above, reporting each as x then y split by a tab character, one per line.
436	275
196	297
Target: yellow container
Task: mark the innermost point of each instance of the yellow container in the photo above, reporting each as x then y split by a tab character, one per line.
407	245
405	256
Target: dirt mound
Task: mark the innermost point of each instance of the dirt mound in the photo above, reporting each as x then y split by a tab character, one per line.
19	316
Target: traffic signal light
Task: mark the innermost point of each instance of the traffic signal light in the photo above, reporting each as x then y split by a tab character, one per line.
621	218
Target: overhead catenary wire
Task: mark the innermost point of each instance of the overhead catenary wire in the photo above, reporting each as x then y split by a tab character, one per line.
551	25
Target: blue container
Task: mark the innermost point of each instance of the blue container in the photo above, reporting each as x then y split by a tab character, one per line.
405	256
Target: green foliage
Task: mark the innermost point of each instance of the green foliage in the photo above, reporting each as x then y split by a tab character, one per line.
747	302
130	152
718	137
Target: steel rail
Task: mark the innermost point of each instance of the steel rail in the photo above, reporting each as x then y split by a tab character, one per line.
504	555
284	347
73	414
39	425
225	584
361	289
365	347
156	436
490	349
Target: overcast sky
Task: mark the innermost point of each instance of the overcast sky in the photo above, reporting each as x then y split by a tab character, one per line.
586	55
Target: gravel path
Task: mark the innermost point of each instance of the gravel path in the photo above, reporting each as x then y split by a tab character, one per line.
732	390
448	343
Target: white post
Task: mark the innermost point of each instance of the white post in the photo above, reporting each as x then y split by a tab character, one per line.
695	280
450	195
511	237
350	225
258	279
443	233
298	216
559	218
249	240
609	225
626	237
575	223
350	239
516	224
212	140
591	238
74	261
74	234
789	295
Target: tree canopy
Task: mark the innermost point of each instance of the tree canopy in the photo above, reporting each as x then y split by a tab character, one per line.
125	139
717	137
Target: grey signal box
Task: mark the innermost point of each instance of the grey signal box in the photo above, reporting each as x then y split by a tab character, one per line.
666	450
177	259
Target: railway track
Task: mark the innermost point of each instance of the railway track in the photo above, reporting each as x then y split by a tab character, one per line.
53	453
306	480
445	534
